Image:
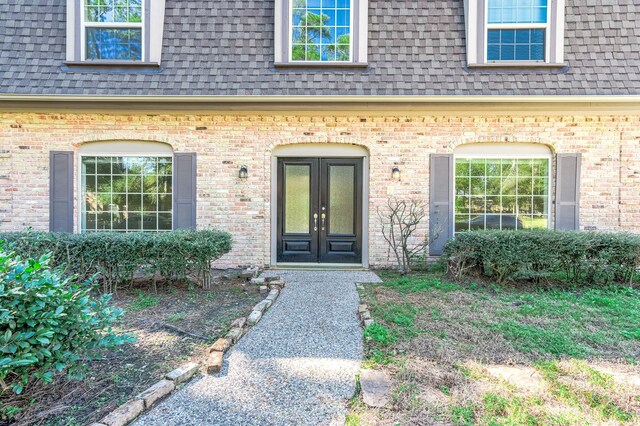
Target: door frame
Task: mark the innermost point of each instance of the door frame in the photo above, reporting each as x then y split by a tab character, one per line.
319	150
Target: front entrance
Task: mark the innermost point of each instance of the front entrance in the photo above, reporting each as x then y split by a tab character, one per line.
320	210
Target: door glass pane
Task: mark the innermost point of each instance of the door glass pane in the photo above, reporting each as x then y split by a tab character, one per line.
297	179
341	203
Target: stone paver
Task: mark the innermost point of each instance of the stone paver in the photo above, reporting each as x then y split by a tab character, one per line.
297	366
376	388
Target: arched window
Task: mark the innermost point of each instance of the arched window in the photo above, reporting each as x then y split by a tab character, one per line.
126	186
502	186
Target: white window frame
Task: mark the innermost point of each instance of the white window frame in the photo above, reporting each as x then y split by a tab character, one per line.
526	26
84	24
548	157
80	202
352	37
283	32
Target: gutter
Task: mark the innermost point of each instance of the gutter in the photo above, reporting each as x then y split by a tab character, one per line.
595	99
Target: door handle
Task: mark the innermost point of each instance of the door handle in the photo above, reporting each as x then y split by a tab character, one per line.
323	217
315	221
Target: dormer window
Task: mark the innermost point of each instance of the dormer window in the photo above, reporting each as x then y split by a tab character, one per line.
115	32
113	29
321	32
515	32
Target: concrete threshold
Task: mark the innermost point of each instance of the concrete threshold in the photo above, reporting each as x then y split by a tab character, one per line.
319	267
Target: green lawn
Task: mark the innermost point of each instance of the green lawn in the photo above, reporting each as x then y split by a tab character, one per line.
471	353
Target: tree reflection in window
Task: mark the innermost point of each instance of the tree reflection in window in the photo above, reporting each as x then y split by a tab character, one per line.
321	30
113	29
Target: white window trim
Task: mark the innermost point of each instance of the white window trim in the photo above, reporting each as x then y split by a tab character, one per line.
283	31
507	157
476	25
152	34
84	24
97	153
351	37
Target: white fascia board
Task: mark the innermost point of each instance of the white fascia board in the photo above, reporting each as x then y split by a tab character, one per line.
475	99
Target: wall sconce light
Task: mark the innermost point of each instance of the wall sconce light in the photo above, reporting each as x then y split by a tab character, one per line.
395	173
243	173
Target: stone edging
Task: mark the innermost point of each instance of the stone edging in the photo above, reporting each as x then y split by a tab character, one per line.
129	411
365	315
363	311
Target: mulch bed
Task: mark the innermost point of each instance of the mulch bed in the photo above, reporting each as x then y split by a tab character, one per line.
166	326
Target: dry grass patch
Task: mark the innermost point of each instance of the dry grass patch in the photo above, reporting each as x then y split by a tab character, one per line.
467	354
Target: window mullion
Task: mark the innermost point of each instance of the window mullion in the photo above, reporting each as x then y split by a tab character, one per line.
306	43
120	43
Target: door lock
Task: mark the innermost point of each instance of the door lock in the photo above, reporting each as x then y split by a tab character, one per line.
323	218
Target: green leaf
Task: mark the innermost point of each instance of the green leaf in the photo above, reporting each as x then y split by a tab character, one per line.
43	340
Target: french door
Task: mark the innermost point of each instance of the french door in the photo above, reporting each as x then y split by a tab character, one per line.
320	210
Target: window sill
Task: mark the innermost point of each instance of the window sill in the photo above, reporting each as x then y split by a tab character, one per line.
110	64
321	65
516	65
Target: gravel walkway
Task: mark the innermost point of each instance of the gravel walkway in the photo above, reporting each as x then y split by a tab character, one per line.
295	367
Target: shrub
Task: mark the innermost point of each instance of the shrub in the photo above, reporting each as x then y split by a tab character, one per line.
48	322
399	221
543	255
175	255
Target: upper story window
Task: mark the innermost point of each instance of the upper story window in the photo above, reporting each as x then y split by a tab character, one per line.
321	32
515	32
115	32
113	29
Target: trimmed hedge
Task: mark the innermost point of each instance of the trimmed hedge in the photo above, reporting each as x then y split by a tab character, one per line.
176	255
545	256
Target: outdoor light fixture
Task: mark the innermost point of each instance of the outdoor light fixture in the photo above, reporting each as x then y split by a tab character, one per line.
395	173
243	173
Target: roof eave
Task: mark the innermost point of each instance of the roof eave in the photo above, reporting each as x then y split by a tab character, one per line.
473	99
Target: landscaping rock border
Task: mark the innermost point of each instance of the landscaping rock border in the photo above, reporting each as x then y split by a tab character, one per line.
129	411
375	385
365	316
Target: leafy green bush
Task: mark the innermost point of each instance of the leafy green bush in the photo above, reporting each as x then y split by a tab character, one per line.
48	322
176	255
545	256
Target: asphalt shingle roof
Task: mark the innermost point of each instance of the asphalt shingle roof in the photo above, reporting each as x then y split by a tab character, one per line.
416	47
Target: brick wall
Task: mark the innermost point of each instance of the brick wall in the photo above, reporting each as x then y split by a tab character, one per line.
610	144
